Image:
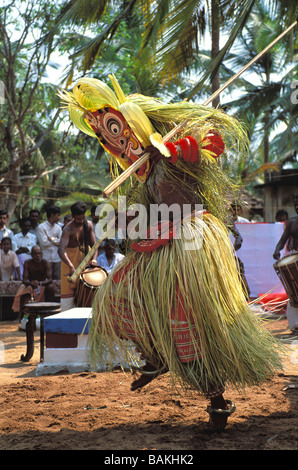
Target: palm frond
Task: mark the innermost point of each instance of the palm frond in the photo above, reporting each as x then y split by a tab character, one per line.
213	67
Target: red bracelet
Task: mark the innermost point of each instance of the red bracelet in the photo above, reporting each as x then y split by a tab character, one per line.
216	144
173	150
194	153
184	144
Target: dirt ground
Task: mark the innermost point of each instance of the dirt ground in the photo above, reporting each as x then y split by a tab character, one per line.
97	411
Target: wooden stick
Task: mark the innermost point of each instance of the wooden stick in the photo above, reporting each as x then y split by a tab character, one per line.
135	166
257	57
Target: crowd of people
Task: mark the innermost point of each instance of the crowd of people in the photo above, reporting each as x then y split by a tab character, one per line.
43	252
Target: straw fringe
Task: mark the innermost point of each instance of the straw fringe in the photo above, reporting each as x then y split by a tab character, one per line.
232	343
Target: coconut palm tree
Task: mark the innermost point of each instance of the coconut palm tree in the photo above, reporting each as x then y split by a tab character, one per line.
266	101
172	29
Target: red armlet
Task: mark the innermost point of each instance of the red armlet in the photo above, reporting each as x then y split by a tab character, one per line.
194	149
173	150
184	144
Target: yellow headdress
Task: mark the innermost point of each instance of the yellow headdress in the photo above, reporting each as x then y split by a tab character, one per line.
120	125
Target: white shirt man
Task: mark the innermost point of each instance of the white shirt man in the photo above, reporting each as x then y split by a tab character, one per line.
4	231
23	242
109	259
49	235
9	263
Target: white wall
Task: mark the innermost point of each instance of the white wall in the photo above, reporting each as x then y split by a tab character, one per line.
259	241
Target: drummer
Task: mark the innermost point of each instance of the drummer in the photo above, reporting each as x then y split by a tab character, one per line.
290	233
77	238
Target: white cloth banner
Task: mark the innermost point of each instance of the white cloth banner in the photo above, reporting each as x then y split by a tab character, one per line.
259	242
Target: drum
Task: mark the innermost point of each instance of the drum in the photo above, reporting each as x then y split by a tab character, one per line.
90	279
287	271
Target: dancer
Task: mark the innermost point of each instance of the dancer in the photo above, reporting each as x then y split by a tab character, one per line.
176	295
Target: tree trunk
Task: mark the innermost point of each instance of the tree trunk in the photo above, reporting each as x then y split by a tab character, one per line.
215	33
10	185
266	145
266	140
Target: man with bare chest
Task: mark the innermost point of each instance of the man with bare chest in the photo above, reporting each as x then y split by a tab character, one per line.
77	237
290	233
37	282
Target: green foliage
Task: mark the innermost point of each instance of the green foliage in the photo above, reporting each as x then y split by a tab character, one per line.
153	48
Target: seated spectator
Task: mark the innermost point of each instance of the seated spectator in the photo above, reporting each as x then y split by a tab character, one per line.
23	242
109	259
9	263
37	282
48	236
34	215
4	231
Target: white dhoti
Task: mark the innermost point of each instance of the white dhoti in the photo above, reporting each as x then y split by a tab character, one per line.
292	316
67	304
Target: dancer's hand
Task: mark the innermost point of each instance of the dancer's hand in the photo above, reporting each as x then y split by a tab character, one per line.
155	154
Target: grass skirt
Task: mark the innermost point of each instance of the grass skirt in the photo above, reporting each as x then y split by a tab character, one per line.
187	308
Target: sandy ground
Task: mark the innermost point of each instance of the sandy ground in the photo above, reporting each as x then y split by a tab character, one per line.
97	411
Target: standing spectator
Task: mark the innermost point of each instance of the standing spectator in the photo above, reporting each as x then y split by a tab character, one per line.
23	242
48	236
66	220
4	231
281	216
9	262
34	215
236	214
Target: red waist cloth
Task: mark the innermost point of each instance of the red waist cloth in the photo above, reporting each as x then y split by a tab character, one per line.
160	235
182	327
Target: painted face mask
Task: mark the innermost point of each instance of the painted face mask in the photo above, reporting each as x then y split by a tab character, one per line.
117	138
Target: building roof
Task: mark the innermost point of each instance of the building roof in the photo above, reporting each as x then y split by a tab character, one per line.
284	178
249	200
